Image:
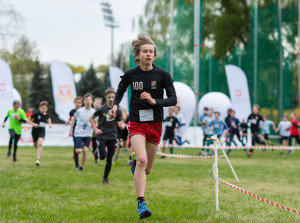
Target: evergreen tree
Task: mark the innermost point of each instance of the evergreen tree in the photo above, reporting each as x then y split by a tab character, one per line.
38	87
90	83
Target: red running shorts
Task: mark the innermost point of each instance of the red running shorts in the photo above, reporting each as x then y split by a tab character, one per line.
151	131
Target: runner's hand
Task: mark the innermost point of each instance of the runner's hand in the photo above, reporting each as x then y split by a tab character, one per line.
35	125
71	133
112	112
3	125
98	131
147	96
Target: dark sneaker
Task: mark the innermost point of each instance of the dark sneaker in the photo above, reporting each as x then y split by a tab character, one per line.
77	167
14	158
8	154
105	181
229	152
291	151
162	157
80	168
281	154
144	212
249	154
188	142
37	163
96	161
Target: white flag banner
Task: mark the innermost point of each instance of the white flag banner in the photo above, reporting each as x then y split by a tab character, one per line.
64	90
239	92
115	74
6	89
186	99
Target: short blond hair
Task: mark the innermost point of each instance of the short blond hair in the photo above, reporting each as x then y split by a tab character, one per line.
136	47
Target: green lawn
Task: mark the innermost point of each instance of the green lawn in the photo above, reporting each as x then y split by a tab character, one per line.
178	190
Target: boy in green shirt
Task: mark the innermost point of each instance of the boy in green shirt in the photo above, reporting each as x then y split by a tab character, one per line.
16	116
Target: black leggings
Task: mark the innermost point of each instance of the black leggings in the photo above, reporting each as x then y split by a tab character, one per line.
256	138
13	138
94	146
111	145
237	133
291	138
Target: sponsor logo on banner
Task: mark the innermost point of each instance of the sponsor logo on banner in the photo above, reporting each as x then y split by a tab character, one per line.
26	134
65	93
3	87
238	93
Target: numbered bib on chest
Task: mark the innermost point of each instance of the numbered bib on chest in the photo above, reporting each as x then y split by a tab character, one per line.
42	124
108	119
254	121
217	126
13	116
146	115
169	123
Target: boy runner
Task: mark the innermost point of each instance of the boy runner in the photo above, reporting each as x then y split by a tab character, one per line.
38	134
179	133
16	116
254	119
171	127
265	129
218	125
107	131
147	83
78	104
284	128
83	130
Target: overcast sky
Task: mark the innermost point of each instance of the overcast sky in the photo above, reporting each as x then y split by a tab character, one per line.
73	30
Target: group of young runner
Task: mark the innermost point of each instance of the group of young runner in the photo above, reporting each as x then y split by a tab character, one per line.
259	125
104	124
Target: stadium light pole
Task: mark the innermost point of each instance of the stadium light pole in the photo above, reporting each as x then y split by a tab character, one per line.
255	52
280	100
109	21
196	54
171	37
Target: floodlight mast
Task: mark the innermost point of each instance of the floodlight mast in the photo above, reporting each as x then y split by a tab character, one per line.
109	21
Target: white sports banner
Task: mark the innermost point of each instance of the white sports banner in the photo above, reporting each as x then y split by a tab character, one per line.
115	74
6	89
239	92
58	135
64	90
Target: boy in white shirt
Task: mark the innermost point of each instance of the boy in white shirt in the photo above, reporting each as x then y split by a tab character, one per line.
83	130
284	128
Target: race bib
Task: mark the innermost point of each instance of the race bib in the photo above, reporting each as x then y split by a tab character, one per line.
13	116
146	115
216	126
108	119
42	124
254	121
169	124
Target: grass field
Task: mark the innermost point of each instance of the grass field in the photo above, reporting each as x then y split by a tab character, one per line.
178	190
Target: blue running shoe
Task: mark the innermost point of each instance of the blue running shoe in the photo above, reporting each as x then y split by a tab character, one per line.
133	165
144	212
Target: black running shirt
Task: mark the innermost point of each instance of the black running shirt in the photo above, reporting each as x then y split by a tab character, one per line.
154	82
255	122
40	119
171	124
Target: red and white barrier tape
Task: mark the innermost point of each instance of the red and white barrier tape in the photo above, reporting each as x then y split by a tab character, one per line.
246	147
258	197
184	156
